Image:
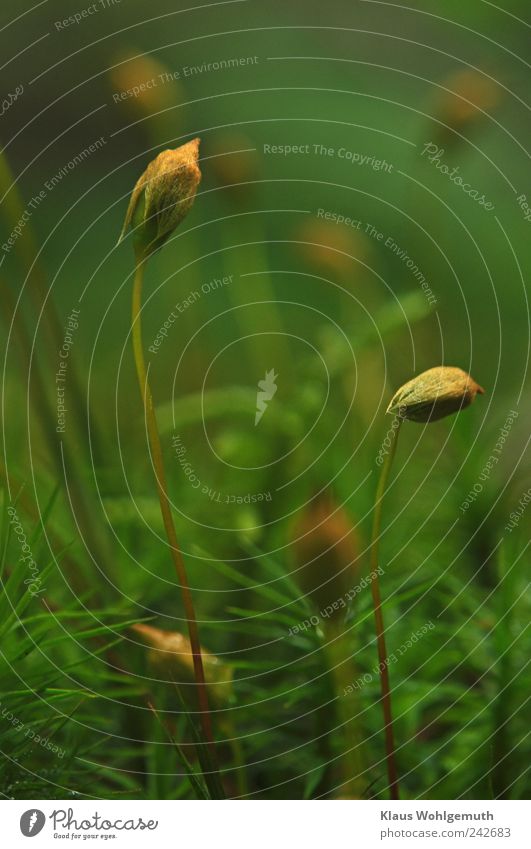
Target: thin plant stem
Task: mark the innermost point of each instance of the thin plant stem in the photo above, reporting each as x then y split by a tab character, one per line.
250	255
238	756
165	508
378	616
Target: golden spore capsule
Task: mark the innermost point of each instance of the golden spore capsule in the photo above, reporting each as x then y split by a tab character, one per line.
434	394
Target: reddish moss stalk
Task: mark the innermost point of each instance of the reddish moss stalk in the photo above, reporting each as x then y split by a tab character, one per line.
379	622
165	507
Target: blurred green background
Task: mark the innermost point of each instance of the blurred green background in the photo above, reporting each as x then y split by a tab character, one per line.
341	319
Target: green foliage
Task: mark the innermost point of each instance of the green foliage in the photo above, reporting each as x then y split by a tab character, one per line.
87	710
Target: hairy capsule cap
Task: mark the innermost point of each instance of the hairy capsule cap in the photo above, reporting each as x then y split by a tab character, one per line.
434	394
171	652
326	553
162	197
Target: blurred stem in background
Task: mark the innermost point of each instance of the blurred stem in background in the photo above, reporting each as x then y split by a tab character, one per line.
26	247
327	559
502	771
63	457
345	722
268	347
235	165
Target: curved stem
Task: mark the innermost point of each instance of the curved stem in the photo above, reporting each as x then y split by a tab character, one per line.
156	453
378	617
